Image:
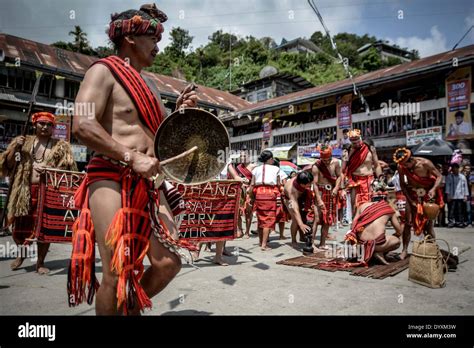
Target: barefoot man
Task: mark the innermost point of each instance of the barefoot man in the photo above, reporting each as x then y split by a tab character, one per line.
328	177
360	168
34	154
121	209
299	200
368	227
420	182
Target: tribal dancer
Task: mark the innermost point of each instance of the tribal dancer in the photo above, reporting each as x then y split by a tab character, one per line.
299	200
120	206
360	168
264	187
420	182
243	172
368	227
35	154
328	177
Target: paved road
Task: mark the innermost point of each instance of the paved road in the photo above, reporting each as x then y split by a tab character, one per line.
255	284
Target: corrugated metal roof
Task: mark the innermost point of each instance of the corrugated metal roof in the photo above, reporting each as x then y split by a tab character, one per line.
382	75
72	63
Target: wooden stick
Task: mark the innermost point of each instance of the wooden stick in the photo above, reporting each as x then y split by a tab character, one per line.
184	154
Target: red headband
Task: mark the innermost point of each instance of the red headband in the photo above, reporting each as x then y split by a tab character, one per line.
325	153
43	117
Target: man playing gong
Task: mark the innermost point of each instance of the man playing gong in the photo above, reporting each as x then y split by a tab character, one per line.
420	182
117	197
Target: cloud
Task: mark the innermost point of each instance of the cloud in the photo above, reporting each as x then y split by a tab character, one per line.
469	20
435	43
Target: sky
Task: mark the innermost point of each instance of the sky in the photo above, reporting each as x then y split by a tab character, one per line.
430	26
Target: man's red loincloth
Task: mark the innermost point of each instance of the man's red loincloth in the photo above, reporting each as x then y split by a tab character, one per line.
24	227
329	216
363	188
369	215
419	220
282	214
266	205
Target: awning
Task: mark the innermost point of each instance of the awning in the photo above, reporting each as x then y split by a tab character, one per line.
283	151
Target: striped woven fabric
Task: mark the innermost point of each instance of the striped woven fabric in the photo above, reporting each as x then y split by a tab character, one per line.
211	211
25	226
144	100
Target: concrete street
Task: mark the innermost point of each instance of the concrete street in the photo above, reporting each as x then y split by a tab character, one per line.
254	284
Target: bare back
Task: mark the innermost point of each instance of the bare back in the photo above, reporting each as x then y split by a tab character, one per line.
375	228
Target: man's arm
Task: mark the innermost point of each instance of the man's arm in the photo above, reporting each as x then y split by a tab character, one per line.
339	179
403	186
319	201
294	209
396	225
439	178
95	90
375	162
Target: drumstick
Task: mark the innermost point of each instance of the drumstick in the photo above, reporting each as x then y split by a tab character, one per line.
181	155
158	179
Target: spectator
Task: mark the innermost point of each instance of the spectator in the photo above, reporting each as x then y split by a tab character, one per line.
467	173
457	192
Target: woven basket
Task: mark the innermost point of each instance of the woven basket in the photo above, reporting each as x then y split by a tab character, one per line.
426	265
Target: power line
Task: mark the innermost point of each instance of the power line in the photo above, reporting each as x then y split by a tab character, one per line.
457	43
345	62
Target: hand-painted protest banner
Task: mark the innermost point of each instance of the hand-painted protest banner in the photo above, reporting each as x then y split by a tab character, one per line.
56	208
211	210
417	136
458	100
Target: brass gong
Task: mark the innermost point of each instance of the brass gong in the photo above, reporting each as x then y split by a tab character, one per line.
185	129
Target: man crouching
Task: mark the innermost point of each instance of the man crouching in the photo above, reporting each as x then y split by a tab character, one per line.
368	227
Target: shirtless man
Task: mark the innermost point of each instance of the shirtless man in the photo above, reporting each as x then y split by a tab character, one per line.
360	168
420	182
35	154
299	200
328	177
122	129
369	225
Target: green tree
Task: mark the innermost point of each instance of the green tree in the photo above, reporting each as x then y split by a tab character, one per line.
80	42
180	41
371	61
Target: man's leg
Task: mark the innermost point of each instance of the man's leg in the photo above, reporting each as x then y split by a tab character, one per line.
409	217
42	251
324	234
165	265
353	201
451	220
265	234
391	243
281	227
102	215
294	230
248	221
219	251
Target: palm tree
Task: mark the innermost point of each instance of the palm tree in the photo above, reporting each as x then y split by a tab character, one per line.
80	40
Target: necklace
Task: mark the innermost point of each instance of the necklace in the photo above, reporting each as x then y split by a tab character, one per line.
41	159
